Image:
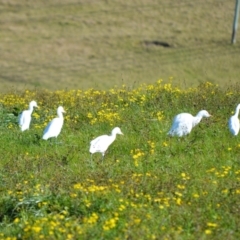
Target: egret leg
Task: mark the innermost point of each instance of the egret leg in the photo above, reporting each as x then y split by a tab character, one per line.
103	156
56	144
91	160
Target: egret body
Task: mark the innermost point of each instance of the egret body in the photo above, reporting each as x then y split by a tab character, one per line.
233	122
26	116
54	127
101	143
183	123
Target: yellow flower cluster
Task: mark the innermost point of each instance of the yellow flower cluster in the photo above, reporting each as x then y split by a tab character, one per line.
152	146
220	173
111	223
92	219
89	189
185	176
136	154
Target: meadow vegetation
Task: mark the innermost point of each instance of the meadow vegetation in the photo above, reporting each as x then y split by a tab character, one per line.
149	186
76	44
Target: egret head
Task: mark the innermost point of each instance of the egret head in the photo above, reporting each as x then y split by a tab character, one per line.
60	109
33	104
117	130
204	113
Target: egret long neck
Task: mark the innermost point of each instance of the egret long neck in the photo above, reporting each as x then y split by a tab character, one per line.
113	136
60	114
237	110
30	109
196	120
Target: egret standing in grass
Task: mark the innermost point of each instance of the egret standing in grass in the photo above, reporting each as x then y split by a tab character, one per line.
184	122
53	129
25	117
101	143
233	122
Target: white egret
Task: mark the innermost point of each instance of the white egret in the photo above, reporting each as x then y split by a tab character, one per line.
25	117
184	122
54	127
101	143
233	122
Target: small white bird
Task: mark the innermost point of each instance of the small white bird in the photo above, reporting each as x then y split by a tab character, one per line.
25	117
54	127
184	122
101	143
233	122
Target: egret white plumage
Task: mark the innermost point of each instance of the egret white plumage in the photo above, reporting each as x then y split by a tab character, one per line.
54	127
25	117
233	122
184	122
101	143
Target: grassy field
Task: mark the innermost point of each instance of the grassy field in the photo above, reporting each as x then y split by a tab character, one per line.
69	44
149	186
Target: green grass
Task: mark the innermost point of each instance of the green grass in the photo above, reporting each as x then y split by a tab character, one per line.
100	44
149	186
